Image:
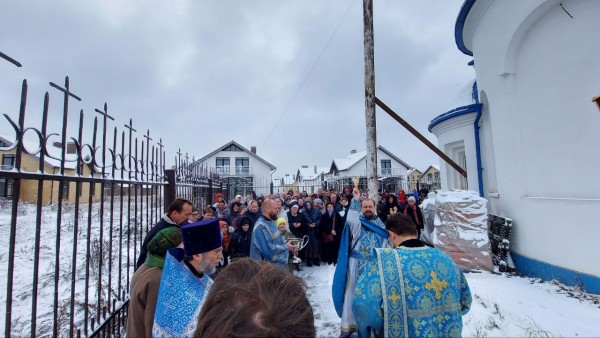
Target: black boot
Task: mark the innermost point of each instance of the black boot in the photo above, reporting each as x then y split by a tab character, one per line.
309	262
317	262
297	265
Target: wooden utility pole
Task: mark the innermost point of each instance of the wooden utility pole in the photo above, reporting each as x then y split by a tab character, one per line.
371	124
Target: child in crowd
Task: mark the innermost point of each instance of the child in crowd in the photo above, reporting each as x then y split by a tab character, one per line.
283	227
226	242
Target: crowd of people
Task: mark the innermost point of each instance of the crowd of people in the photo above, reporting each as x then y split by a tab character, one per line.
320	216
227	269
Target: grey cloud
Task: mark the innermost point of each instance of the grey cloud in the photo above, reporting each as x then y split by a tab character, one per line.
200	73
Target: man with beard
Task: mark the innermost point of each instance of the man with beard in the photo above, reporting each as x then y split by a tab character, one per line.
363	233
185	281
268	243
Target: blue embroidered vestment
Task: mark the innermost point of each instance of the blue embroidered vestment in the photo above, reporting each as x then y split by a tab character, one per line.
411	292
357	248
180	298
268	243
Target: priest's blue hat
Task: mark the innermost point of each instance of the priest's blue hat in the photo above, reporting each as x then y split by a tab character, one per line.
201	236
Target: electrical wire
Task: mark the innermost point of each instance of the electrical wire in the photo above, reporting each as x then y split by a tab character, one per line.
312	68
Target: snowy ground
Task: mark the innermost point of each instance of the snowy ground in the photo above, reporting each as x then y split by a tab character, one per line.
503	306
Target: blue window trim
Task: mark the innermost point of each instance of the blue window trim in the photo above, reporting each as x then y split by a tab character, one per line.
459	26
533	268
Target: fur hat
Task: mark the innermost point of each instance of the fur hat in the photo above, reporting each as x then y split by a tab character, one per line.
164	240
202	236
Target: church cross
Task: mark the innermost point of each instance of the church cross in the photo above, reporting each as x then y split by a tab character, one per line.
436	285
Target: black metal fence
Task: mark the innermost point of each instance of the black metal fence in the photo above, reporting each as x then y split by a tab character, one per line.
74	218
196	183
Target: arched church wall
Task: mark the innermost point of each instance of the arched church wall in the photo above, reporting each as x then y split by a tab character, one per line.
449	132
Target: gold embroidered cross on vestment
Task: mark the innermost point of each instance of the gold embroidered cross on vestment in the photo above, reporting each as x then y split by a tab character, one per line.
394	297
436	285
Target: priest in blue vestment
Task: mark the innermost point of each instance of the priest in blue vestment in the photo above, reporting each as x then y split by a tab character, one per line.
410	291
185	281
268	243
362	233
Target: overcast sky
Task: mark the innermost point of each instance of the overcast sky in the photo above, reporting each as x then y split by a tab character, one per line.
285	76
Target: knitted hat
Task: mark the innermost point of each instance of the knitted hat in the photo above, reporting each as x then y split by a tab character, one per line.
281	220
318	200
202	236
164	240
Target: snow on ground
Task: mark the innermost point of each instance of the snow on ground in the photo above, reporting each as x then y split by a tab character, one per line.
503	306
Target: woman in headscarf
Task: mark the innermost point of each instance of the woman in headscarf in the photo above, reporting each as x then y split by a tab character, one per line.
331	229
413	211
388	207
240	243
402	199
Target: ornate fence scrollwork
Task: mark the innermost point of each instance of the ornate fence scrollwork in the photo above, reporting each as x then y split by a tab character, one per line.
80	206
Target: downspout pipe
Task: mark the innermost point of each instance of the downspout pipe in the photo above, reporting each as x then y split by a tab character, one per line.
477	139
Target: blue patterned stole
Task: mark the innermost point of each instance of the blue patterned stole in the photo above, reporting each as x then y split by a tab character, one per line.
338	287
392	289
421	290
376	225
180	298
372	236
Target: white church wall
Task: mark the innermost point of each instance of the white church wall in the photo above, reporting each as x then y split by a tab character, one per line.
451	134
488	159
539	71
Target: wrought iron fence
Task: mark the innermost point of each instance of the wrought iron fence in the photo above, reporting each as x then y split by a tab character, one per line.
77	212
194	182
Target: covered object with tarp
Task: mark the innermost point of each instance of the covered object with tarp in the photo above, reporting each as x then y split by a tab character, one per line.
460	227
